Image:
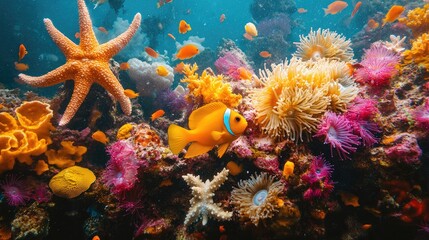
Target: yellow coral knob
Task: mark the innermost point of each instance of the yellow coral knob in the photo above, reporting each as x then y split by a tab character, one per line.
124	132
71	182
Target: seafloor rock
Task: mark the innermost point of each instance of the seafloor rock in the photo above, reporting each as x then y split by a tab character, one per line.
30	223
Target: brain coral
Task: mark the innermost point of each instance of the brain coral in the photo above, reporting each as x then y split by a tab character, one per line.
324	44
295	96
71	182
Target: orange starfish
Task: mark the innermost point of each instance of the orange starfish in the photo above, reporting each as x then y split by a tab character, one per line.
87	63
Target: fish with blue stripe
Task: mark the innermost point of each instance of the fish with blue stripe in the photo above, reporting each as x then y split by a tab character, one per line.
211	125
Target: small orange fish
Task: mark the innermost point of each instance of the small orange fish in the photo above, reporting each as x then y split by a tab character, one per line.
250	29
244	73
21	67
151	52
265	54
335	7
302	10
393	14
130	93
187	51
222	229
161	71
247	36
372	24
77	35
96	237
100	136
222	18
171	36
124	66
157	114
357	6
234	168
103	30
22	52
179	67
366	226
184	27
166	183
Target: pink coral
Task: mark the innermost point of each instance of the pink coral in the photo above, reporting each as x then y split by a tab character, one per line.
378	66
318	178
405	149
362	109
421	116
15	190
268	163
122	168
338	132
41	193
230	63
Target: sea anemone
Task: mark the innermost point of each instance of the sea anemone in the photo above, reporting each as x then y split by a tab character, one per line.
378	66
15	190
41	193
324	44
362	109
318	177
256	199
122	168
421	115
366	131
338	132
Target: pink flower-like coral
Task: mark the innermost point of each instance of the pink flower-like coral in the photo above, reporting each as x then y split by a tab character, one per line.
337	131
421	116
122	168
318	178
15	190
378	66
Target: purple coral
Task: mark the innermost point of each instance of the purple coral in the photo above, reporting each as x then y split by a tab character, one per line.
15	190
318	178
280	24
230	64
122	168
41	193
421	115
338	132
378	66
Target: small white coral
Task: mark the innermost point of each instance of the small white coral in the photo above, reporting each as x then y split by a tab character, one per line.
148	82
202	205
396	43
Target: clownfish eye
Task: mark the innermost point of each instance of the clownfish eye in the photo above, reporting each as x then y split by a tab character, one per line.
237	119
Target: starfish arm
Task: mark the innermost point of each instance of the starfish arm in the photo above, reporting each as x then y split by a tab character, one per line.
66	45
81	89
53	77
112	47
109	82
88	41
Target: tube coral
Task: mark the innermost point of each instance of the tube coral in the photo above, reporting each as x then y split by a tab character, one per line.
337	131
324	44
257	198
318	178
15	190
378	66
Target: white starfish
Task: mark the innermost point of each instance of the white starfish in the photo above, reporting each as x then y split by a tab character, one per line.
396	43
202	205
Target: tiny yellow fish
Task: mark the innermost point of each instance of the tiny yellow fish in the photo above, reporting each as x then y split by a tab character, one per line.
211	125
130	93
100	136
162	71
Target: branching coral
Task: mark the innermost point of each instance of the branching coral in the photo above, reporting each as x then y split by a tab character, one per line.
418	52
257	198
324	44
418	20
208	88
295	96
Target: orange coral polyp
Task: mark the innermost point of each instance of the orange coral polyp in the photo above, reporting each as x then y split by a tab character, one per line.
7	123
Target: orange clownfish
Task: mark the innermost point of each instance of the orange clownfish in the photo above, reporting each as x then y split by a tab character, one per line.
184	27
222	18
357	6
130	93
151	52
211	125
22	52
100	136
302	10
171	36
21	67
187	51
393	14
124	66
265	54
161	71
335	7
103	30
250	29
157	114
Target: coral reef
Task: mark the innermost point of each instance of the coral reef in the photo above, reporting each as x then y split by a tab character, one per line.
30	223
67	156
318	179
418	52
418	20
202	205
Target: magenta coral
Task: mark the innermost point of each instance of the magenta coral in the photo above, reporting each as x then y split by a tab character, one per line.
230	63
421	116
122	168
41	193
362	109
268	163
378	66
318	178
405	149
15	190
338	132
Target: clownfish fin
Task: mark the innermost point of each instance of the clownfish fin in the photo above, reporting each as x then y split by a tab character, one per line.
222	149
197	149
177	138
216	135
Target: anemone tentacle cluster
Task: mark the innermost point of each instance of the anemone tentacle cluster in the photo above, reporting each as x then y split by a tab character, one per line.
257	198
